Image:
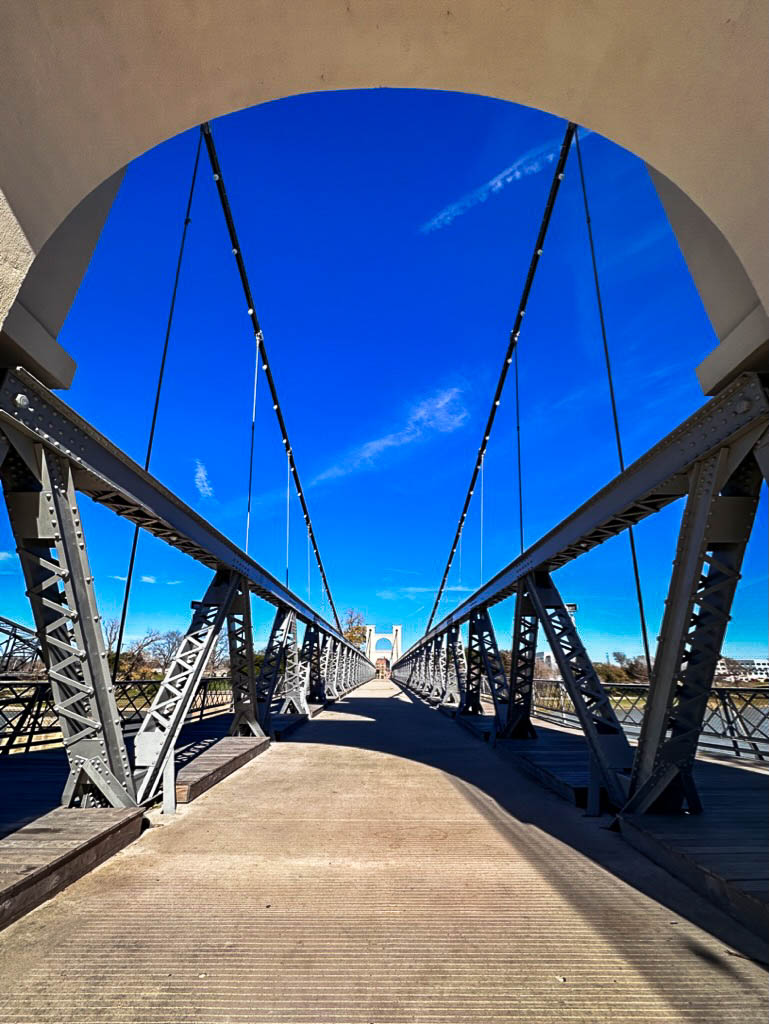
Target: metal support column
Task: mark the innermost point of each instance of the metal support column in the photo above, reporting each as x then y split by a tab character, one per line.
456	667
485	662
272	667
292	690
517	724
156	739
603	732
714	532
310	658
45	520
242	674
327	667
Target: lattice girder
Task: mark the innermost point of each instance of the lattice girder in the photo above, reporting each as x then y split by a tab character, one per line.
45	519
607	742
160	728
715	529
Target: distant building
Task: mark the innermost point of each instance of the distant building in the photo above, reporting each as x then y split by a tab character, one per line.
742	670
382	668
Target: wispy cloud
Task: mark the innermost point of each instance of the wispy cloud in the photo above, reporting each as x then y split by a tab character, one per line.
173	583
121	578
5	555
440	413
202	482
532	162
148	579
410	593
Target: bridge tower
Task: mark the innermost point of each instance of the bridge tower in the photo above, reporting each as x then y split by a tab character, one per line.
395	639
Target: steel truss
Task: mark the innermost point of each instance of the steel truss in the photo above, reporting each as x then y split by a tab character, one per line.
291	693
714	533
160	728
47	455
456	668
522	664
241	646
311	663
45	519
608	744
484	662
715	459
19	647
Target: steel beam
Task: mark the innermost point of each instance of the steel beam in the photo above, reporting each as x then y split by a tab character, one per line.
714	533
111	478
485	662
45	520
291	693
242	673
608	745
456	665
517	724
311	664
738	415
156	740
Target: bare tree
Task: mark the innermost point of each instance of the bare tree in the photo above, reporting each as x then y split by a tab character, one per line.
165	647
353	627
136	660
111	629
220	655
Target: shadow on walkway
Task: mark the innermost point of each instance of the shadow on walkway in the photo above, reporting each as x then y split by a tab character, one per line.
380	718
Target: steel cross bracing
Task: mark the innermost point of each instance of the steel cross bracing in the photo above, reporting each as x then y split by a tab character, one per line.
456	668
242	674
45	519
19	647
715	459
311	665
607	741
162	724
291	692
714	533
523	658
47	455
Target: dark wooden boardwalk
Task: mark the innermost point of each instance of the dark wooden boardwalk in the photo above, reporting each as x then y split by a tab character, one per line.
723	853
31	784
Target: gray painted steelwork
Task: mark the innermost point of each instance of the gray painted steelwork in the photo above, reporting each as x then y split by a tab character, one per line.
111	478
716	459
739	415
48	453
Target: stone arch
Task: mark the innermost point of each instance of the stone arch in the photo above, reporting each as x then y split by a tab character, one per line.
83	95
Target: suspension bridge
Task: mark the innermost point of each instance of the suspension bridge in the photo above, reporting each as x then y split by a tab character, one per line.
302	840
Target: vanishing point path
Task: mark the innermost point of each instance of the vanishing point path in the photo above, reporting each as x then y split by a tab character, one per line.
381	866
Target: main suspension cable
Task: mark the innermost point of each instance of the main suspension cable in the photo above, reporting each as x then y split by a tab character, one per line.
262	351
512	344
617	436
151	439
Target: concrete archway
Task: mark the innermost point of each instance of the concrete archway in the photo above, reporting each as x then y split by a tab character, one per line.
393	638
88	87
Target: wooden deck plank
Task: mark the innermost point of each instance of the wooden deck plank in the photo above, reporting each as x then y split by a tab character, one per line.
42	859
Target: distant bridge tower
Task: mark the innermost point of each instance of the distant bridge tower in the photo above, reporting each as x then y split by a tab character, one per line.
395	639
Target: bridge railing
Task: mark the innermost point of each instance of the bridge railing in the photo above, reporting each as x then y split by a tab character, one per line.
736	722
49	456
715	462
28	719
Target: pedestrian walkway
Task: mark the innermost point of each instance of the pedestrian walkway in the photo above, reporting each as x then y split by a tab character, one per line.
381	866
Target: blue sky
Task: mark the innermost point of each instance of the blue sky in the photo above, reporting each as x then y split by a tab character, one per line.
387	234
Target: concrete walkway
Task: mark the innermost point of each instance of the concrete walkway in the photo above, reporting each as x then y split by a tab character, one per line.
383	866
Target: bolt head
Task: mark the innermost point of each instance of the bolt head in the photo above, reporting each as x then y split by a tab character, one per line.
21	401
